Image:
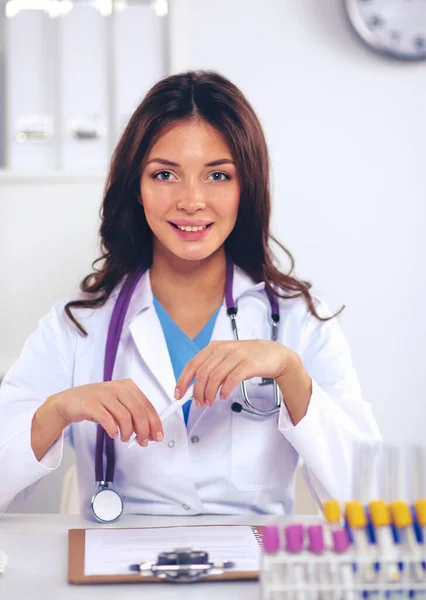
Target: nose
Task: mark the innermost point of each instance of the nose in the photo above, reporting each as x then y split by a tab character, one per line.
192	199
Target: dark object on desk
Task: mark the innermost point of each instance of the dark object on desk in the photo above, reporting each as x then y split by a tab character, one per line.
182	565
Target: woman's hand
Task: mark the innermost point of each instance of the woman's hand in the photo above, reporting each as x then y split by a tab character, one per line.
112	404
225	364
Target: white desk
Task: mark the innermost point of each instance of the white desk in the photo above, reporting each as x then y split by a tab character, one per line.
37	549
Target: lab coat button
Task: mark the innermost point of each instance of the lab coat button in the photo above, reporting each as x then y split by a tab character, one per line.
195	439
186	507
171	444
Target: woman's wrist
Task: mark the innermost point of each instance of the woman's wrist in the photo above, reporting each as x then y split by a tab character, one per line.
47	425
296	387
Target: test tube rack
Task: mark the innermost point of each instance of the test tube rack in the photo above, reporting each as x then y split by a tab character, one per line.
345	576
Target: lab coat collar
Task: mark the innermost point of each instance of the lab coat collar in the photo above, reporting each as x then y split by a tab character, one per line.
148	335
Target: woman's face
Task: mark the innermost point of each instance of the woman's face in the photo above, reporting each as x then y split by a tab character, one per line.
190	191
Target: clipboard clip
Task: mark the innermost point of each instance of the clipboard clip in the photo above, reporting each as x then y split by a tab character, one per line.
182	565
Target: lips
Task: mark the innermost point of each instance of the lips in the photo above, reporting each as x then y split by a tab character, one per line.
191	222
191	232
191	227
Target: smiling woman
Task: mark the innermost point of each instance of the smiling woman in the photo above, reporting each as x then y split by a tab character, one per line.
193	147
174	199
187	294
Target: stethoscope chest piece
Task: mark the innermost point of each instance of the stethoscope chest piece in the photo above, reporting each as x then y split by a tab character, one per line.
107	504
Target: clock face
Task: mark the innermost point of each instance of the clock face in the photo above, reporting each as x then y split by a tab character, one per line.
396	27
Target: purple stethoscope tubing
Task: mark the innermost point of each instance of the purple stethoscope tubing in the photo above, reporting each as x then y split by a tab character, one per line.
114	333
113	338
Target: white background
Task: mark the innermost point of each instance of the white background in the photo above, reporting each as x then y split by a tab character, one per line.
346	130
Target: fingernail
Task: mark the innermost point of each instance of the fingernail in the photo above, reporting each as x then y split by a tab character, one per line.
145	443
159	436
177	393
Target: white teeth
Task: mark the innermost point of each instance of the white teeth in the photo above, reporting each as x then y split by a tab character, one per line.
189	228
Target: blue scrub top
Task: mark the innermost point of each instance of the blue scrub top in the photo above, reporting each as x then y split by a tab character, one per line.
181	348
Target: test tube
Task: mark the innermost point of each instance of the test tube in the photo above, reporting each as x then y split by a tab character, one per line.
414	483
386	551
341	545
357	521
297	572
271	546
420	510
320	571
410	548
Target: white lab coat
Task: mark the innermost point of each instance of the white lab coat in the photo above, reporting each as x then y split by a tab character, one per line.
223	462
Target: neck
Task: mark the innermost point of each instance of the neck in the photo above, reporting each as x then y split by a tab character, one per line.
175	281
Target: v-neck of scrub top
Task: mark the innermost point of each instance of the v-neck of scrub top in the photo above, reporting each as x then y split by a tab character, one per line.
181	347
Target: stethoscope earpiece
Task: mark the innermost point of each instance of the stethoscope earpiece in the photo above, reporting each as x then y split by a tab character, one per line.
236	407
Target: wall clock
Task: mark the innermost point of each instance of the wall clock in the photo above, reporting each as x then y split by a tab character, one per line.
393	27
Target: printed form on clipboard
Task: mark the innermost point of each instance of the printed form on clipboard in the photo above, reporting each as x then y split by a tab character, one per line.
111	551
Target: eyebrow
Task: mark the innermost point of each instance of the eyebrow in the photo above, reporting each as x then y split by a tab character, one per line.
213	163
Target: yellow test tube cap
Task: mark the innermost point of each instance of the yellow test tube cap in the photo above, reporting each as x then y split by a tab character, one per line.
332	511
379	513
401	514
420	508
355	514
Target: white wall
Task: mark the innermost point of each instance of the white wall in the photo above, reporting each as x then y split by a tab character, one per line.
346	130
48	239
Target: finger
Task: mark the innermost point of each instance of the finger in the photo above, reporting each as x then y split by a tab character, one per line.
191	368
147	423
204	373
121	415
240	373
134	400
155	424
101	415
218	376
202	376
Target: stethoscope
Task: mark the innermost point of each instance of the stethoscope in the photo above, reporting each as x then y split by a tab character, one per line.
107	504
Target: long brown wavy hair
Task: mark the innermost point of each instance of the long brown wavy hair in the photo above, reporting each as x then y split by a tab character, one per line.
126	239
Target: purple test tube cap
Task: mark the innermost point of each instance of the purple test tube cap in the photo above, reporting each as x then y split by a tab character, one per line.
271	539
316	539
340	540
294	538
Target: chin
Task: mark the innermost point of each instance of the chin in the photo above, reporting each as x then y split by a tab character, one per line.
193	253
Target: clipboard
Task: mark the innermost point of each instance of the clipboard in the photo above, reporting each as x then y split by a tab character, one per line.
76	561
